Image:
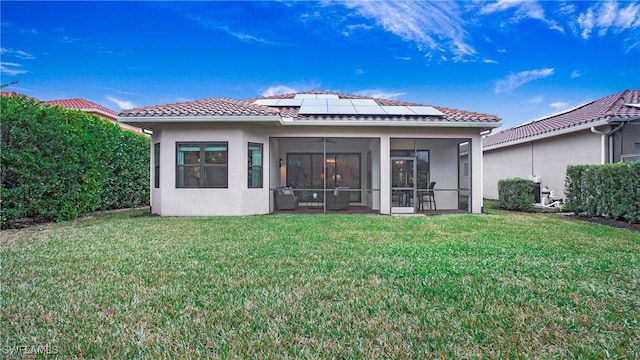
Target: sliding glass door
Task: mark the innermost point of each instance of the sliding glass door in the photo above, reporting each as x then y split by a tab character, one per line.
403	189
313	173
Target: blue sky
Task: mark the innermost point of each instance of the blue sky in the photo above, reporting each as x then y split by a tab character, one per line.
517	59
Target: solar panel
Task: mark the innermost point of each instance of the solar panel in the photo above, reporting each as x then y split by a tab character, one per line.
314	102
289	102
370	110
331	104
305	96
397	110
313	109
339	102
342	110
365	102
266	102
425	110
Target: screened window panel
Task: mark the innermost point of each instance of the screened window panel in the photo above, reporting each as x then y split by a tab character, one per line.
156	167
255	166
216	177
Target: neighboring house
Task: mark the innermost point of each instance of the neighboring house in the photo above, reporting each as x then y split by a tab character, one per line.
85	106
225	157
605	130
93	108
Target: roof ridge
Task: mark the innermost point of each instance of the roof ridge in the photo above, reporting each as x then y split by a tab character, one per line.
622	98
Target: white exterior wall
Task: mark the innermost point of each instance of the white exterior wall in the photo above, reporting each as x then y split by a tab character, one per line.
238	199
547	159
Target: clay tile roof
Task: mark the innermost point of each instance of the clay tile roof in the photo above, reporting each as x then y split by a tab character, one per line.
81	104
454	115
606	108
13	93
207	107
229	107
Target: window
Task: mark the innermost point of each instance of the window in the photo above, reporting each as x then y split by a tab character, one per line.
202	165
255	166
637	148
156	165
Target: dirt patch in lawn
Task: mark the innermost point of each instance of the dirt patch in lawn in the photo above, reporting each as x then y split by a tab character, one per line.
608	222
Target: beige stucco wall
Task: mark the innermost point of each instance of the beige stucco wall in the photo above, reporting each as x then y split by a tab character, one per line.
547	159
237	199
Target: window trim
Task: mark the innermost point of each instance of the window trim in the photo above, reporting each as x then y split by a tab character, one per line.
253	167
156	165
202	166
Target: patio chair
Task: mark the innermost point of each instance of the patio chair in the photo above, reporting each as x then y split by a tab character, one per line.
285	199
338	199
429	197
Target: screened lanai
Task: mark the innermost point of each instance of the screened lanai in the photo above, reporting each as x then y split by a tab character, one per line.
327	173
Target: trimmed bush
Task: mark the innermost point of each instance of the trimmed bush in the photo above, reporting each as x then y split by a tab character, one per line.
611	190
57	164
516	194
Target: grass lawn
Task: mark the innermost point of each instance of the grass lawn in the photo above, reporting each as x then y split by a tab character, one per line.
498	285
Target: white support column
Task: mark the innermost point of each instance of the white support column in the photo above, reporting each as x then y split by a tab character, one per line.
475	157
385	175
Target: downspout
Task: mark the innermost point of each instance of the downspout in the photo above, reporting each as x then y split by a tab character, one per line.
603	144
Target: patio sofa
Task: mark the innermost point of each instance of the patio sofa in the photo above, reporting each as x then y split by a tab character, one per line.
285	199
338	199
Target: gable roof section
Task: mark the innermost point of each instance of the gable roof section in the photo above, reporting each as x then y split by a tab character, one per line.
615	107
255	109
83	105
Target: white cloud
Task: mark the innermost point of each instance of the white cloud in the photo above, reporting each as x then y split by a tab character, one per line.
20	54
575	74
278	90
11	69
123	104
514	81
535	100
404	58
353	28
606	16
489	61
431	25
633	46
381	94
522	10
247	37
559	105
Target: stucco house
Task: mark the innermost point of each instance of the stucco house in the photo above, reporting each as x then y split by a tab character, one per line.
331	151
605	130
95	109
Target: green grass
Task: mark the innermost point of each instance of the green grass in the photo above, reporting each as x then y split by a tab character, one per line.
498	285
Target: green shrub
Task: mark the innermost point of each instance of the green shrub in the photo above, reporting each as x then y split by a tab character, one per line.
611	190
56	164
516	194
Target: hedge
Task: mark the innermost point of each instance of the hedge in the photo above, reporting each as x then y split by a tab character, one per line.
611	190
516	194
57	164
